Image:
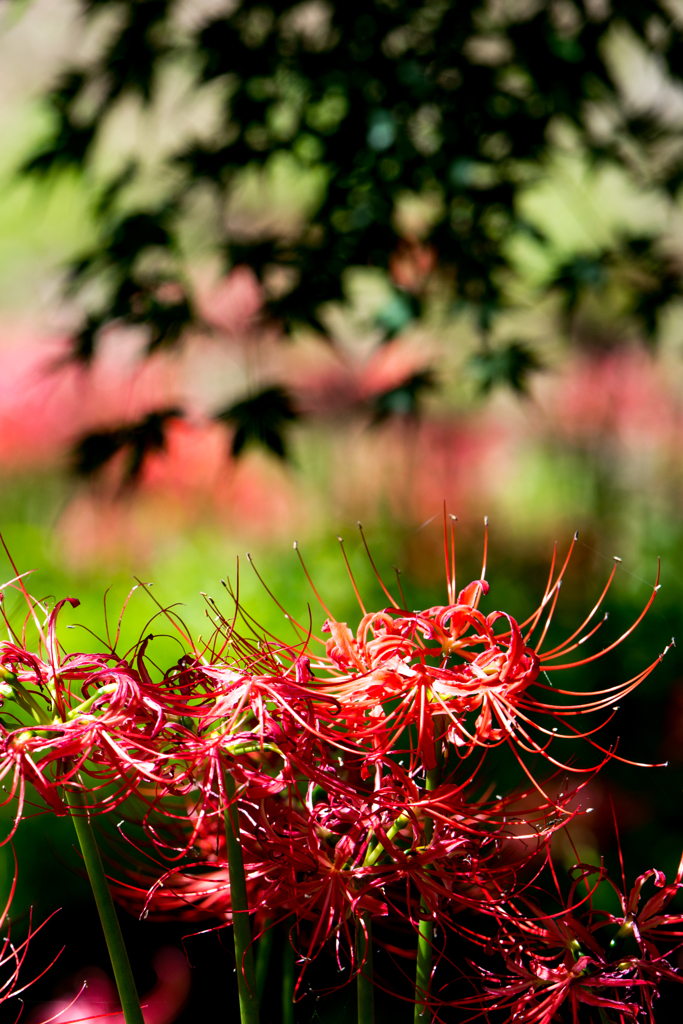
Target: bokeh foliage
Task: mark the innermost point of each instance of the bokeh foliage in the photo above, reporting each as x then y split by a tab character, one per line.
455	102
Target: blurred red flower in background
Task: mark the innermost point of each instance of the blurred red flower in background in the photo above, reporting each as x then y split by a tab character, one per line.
91	995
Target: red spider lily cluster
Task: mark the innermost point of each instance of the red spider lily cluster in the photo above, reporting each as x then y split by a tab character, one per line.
357	762
584	956
86	712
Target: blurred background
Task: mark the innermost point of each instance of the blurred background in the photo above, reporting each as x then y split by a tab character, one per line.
270	269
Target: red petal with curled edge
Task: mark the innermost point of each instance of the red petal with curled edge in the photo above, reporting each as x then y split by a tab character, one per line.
634	896
472	591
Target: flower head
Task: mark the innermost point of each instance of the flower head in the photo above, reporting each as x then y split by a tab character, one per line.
579	955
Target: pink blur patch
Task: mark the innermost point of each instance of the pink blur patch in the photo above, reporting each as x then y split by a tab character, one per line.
98	1000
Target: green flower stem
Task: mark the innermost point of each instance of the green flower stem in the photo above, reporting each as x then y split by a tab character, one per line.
130	1002
374	853
364	982
425	936
264	948
423	970
288	959
244	953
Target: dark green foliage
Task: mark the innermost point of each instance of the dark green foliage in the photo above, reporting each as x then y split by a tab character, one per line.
401	309
509	364
578	276
659	281
650	277
261	419
403	400
137	441
451	98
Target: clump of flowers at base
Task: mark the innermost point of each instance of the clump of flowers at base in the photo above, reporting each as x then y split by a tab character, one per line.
351	772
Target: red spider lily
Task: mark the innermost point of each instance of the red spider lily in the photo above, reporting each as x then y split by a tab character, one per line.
333	845
251	726
649	924
403	674
91	713
278	716
567	956
404	670
341	848
310	748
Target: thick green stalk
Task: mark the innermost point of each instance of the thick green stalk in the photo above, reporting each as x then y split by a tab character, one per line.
425	935
423	969
130	1002
244	954
264	948
288	961
364	982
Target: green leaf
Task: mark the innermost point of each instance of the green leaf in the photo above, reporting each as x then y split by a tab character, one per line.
261	420
512	364
403	400
95	450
